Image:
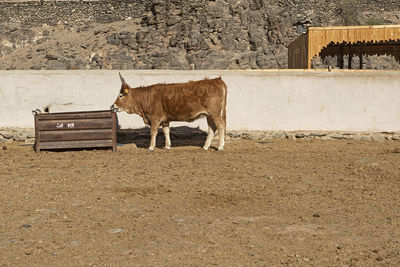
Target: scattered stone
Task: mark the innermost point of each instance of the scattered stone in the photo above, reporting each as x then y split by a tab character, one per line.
290	135
234	135
365	138
258	135
132	145
74	243
397	150
19	137
4	147
279	135
28	251
122	34
50	56
116	231
113	39
315	134
396	137
378	138
316	215
299	135
25	225
30	134
337	136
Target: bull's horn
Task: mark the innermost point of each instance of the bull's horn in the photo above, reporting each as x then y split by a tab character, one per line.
122	79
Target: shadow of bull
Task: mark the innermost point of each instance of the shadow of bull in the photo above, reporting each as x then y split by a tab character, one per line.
180	136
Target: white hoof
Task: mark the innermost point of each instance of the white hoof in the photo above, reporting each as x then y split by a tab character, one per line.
205	147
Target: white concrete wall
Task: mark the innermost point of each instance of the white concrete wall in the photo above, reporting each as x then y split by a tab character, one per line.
257	100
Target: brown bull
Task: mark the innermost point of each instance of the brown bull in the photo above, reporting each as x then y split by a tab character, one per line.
160	104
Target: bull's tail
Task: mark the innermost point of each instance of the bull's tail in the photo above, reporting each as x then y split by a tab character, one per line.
224	105
224	97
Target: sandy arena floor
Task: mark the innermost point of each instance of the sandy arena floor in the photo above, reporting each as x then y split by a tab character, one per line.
281	202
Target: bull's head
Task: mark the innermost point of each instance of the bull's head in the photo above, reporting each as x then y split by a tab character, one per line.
122	103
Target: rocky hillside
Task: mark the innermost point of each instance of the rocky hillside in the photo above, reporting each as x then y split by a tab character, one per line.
171	34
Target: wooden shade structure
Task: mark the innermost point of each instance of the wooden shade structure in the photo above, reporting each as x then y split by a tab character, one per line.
344	40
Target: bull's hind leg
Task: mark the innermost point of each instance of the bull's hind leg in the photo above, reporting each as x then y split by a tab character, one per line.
221	132
220	124
166	134
210	136
153	131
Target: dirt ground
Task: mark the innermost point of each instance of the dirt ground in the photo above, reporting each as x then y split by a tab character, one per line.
271	203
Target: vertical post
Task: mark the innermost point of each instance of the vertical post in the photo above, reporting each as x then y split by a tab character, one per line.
114	130
340	57
361	58
37	136
308	43
350	58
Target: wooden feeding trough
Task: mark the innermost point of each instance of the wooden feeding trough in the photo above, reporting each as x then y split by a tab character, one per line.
88	129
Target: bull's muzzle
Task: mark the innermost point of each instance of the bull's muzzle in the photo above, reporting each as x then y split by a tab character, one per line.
114	107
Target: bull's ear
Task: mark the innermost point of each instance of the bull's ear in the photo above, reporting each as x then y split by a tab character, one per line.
122	79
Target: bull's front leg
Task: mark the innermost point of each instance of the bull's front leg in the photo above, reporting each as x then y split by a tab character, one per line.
166	134
153	132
